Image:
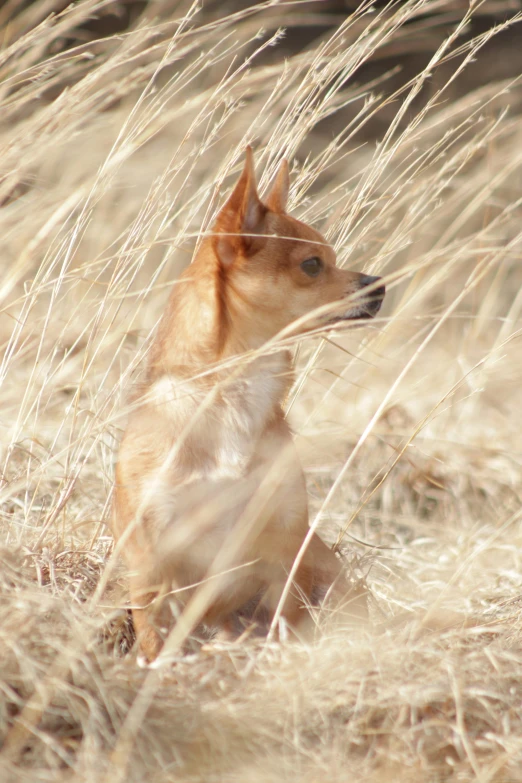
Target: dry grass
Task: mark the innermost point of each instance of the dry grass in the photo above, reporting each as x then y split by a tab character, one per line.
409	429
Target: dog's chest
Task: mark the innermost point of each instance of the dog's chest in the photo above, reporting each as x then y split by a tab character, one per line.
220	429
242	418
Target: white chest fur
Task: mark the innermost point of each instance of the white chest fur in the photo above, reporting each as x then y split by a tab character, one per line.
222	424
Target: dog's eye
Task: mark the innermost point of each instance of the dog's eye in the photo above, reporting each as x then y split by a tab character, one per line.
312	266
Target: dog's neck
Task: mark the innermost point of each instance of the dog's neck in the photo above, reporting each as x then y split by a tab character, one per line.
204	339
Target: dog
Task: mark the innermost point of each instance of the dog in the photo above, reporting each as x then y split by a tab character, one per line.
210	495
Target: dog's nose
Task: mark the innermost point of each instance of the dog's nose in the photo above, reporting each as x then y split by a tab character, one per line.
377	293
368	279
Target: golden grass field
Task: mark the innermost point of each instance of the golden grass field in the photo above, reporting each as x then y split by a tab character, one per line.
115	155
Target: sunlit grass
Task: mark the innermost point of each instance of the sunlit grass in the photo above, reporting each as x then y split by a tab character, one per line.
408	428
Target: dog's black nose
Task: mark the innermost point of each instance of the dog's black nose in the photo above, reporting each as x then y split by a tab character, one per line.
377	293
368	280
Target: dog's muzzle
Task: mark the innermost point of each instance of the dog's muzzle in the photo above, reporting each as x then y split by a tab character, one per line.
363	304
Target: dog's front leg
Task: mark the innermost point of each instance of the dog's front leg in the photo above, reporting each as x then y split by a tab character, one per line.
146	615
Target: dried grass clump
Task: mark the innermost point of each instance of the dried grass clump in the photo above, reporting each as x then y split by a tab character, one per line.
115	154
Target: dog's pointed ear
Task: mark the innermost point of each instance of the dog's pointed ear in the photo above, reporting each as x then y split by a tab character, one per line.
277	196
241	218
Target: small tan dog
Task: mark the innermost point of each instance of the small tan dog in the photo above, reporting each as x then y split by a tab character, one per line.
209	488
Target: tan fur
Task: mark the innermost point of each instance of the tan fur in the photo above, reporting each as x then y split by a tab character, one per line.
209	488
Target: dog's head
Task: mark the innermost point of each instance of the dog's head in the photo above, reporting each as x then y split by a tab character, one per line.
276	270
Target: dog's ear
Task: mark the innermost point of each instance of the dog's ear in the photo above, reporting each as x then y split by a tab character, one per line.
277	196
242	219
